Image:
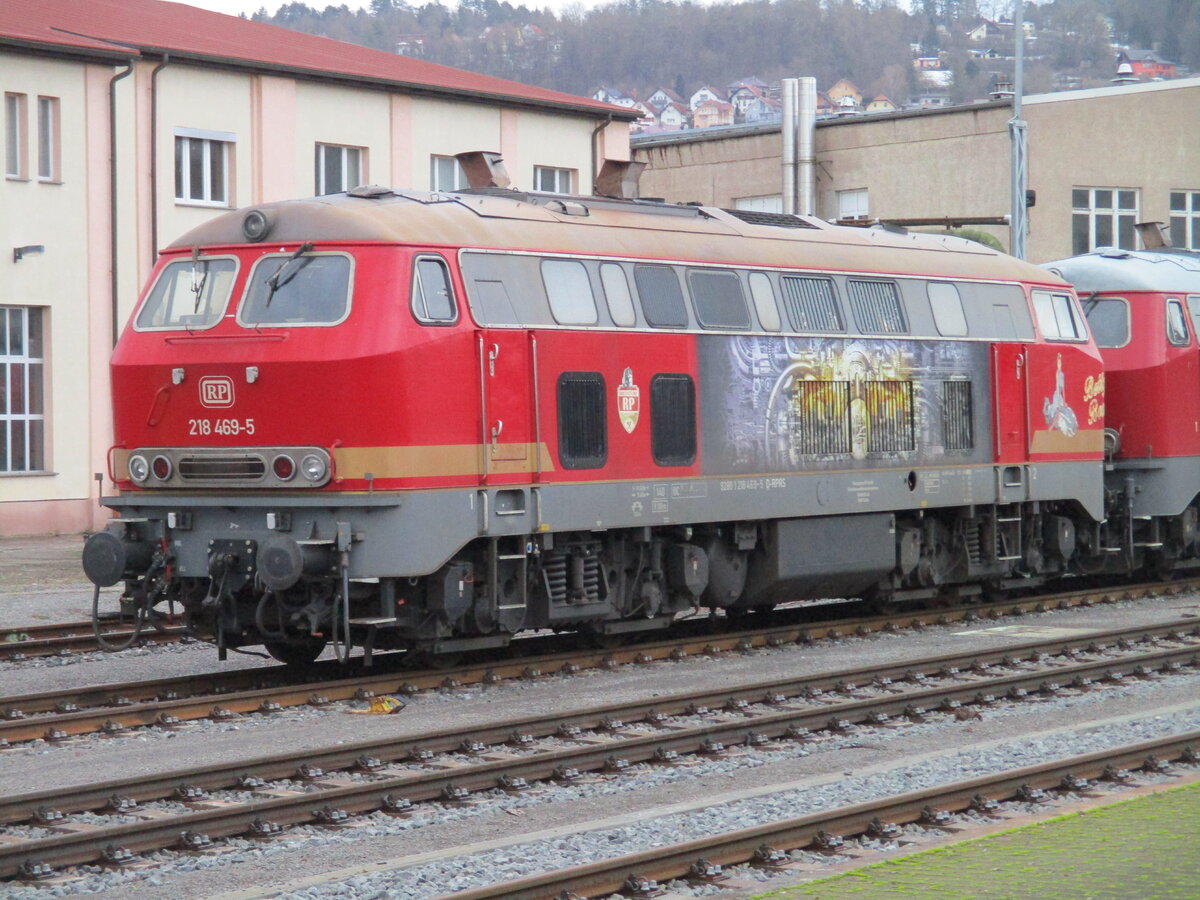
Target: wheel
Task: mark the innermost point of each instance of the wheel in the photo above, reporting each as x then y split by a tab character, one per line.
301	652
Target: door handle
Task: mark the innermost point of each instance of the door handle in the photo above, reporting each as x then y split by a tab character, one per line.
497	430
493	355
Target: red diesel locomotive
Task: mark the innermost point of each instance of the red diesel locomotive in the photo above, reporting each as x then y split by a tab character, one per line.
1144	311
430	421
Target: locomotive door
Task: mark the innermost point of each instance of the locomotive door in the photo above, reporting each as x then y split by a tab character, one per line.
506	389
1010	367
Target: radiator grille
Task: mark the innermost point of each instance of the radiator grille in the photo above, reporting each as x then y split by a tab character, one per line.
890	415
877	307
222	468
820	417
957	429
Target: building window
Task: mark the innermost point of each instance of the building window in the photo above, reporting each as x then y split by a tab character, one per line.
14	136
446	174
48	140
1185	219
555	181
768	203
338	168
22	390
1103	217
852	204
202	162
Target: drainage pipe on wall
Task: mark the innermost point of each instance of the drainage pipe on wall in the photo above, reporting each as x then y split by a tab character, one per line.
112	193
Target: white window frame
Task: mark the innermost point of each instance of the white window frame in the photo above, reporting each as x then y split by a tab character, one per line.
1185	223
853	204
16	125
1113	214
27	361
437	172
346	153
49	142
222	142
1058	318
560	181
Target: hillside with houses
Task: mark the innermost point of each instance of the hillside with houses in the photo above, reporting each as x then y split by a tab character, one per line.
683	65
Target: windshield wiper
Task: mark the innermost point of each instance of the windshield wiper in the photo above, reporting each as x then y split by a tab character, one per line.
273	281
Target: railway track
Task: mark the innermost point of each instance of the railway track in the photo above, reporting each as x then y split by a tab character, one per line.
638	874
67	638
61	714
265	795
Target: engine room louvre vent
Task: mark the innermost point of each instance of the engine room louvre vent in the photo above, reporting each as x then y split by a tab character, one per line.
957	430
582	435
890	415
222	468
821	417
779	220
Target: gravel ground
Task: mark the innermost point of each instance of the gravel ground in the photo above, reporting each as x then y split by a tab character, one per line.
785	781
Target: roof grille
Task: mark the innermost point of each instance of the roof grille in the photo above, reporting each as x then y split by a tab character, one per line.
779	220
222	468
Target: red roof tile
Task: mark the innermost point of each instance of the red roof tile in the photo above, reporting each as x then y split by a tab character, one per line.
154	26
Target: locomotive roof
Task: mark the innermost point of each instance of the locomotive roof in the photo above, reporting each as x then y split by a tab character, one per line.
1111	269
551	223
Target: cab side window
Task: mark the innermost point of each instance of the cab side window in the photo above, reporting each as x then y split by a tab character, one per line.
1177	330
432	296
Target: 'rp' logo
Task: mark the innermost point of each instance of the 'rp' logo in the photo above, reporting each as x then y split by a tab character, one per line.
216	391
628	402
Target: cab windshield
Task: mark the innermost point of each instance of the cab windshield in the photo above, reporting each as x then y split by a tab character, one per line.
302	288
189	294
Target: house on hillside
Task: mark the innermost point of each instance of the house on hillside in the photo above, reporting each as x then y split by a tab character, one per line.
712	113
986	31
842	91
662	97
704	94
1146	64
881	103
674	117
605	94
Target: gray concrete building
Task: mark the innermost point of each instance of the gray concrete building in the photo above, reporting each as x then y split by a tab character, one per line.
1099	161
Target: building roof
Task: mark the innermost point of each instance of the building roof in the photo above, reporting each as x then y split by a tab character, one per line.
124	29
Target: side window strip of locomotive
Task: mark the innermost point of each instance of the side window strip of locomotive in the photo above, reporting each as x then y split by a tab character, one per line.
582	420
811	303
763	295
947	308
297	289
662	297
189	294
1108	317
569	291
1193	305
432	295
1177	330
673	419
718	299
1057	318
616	292
877	307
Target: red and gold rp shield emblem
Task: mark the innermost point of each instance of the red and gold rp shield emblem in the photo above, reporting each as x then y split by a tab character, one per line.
629	402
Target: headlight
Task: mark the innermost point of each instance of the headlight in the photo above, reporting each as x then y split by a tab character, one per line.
313	468
139	469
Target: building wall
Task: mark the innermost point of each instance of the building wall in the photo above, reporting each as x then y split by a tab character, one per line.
956	161
274	122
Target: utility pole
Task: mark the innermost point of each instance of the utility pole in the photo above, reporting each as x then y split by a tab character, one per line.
1019	213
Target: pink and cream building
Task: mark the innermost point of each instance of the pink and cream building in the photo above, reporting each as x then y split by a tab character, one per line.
128	122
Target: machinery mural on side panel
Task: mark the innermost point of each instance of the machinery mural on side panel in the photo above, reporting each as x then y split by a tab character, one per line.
782	404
